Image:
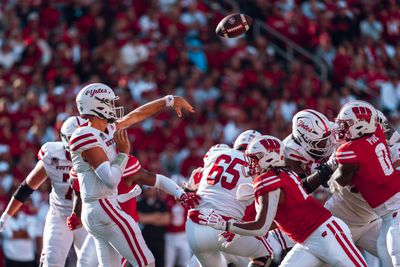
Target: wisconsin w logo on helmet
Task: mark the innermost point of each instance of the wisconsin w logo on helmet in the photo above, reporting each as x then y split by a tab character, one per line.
362	113
270	145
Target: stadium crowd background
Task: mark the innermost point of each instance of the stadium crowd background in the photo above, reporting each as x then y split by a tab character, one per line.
49	49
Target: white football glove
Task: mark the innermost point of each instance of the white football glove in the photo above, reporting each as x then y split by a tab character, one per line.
4	219
227	238
213	220
136	191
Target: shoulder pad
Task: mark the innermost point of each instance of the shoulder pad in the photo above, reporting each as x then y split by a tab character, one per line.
51	151
266	182
83	138
217	151
294	151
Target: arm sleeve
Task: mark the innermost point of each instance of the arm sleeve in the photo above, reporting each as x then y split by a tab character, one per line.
168	186
273	201
111	175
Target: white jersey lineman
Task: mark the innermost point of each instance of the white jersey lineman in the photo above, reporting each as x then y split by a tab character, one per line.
224	171
113	230
345	203
57	238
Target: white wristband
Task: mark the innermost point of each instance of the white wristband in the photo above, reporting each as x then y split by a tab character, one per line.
169	100
5	217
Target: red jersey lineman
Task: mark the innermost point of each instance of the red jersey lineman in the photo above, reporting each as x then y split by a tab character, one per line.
321	237
365	164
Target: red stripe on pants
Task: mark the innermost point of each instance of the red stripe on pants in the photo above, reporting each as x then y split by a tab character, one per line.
266	245
283	239
342	245
355	251
122	229
132	232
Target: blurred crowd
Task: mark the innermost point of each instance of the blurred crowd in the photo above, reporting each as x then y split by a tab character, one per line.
145	49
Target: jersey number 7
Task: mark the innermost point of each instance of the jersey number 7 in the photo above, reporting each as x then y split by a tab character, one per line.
225	165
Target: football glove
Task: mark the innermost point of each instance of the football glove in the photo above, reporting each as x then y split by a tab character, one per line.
73	222
189	200
227	238
4	219
213	220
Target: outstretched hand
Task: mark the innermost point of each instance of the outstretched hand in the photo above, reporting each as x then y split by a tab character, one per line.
181	103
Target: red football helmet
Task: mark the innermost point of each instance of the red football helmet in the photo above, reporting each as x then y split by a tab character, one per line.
355	119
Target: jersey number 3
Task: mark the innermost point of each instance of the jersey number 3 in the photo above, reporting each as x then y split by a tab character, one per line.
225	165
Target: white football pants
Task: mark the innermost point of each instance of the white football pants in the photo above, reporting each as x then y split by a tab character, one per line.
58	239
330	243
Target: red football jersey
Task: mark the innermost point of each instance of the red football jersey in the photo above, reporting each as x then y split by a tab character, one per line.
178	216
132	167
376	179
299	214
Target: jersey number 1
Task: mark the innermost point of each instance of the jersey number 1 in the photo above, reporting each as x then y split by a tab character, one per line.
215	175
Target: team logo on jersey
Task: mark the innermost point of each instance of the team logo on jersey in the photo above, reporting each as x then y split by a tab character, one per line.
362	113
270	145
54	161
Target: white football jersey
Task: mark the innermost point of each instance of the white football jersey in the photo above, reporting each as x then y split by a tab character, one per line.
349	205
296	152
224	171
57	164
91	186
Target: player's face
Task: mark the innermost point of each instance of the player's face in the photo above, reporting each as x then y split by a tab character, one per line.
341	130
253	162
320	146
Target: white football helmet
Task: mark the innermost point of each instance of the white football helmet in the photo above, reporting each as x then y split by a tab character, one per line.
264	152
244	139
355	119
68	128
313	131
98	99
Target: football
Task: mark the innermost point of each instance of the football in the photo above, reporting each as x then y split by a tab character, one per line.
233	25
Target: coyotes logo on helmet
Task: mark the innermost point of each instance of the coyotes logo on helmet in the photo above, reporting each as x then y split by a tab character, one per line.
302	124
362	113
270	145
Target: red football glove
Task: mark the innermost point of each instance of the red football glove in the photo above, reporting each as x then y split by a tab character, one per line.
73	222
189	200
226	238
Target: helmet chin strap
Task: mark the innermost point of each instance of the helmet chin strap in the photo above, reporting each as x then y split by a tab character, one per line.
109	120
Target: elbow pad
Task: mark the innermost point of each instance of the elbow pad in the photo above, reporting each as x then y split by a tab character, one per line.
168	186
273	201
111	175
23	192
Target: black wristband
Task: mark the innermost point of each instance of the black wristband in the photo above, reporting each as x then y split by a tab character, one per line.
324	174
23	192
307	187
